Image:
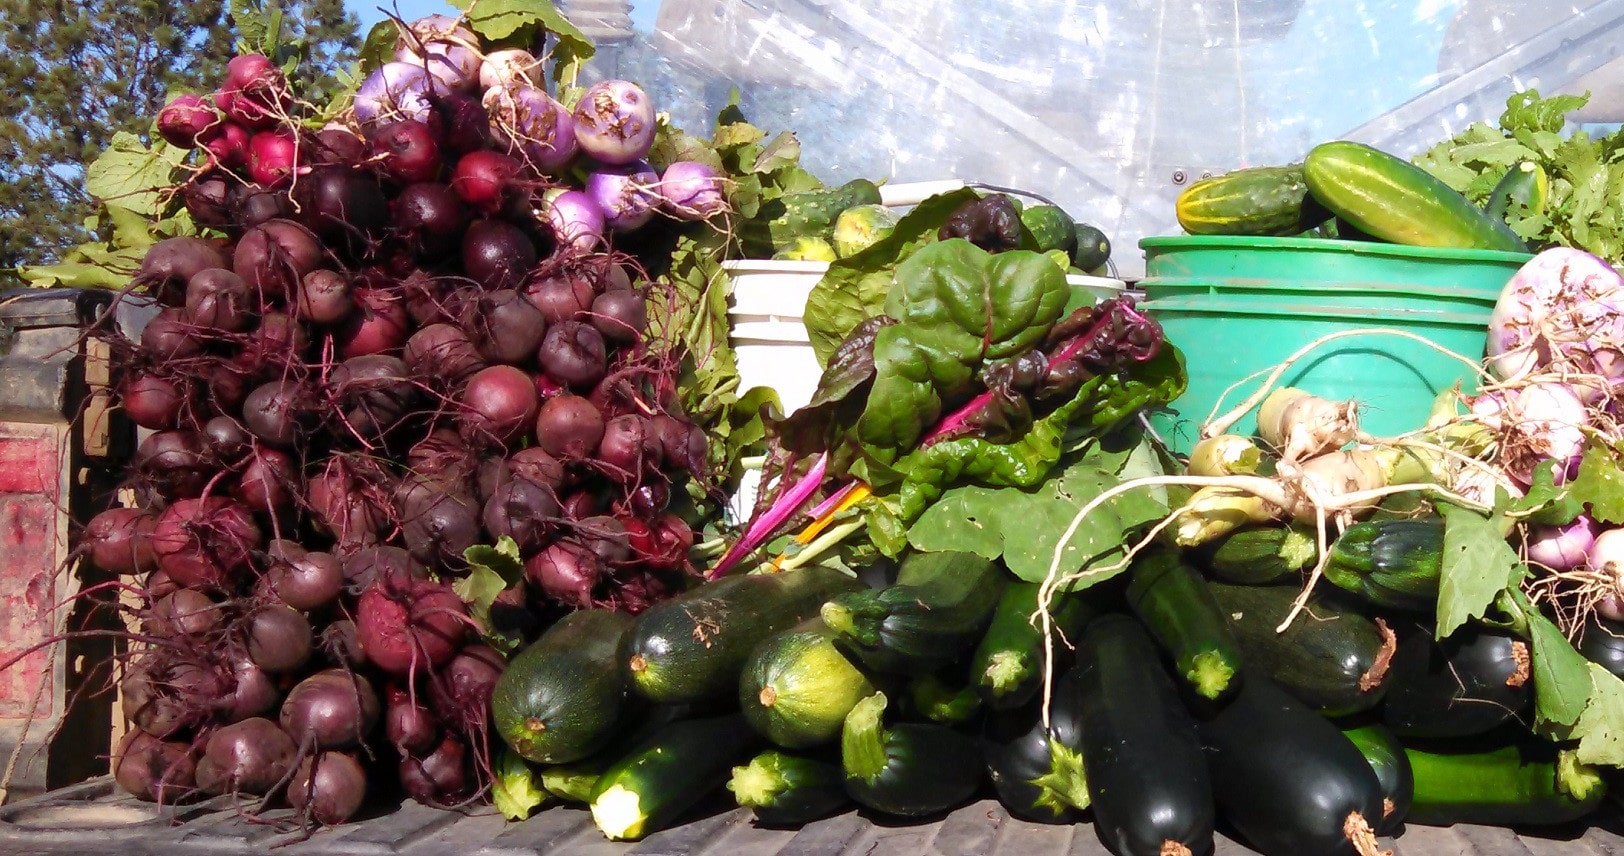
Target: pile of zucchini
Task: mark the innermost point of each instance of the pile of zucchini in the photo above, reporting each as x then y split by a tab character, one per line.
1175	706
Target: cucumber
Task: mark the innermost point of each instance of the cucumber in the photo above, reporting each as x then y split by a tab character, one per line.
1036	768
1523	191
1331	657
1093	248
1148	785
1260	200
1051	228
1526	783
1393	564
668	774
1254	555
1284	776
934	613
1397	201
796	688
804	214
786	790
1173	602
1387	760
1006	667
563	697
1470	683
692	647
911	769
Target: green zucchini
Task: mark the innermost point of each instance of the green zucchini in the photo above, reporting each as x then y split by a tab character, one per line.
1260	200
1285	778
1526	783
1393	564
1147	780
574	781
944	697
789	790
931	616
796	688
911	769
1006	667
692	647
1394	200
1603	644
668	774
1522	191
1036	768
1331	657
563	697
1468	684
1387	760
1093	248
1175	605
1254	555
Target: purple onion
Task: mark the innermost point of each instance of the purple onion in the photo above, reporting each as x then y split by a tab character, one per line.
614	122
1562	548
448	50
535	124
396	90
576	220
691	190
625	194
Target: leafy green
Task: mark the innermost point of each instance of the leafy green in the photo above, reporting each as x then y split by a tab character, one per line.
855	288
1599	484
1601	727
491	569
1023	527
1561	674
1586	174
522	24
114	262
515	790
1478	565
134	175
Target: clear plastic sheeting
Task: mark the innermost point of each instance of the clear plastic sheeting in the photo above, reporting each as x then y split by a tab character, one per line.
1109	107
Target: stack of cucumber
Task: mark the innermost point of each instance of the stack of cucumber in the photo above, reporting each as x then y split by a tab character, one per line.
1352	191
1175	706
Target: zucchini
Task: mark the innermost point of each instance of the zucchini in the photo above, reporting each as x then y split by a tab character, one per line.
1006	667
1259	200
1523	191
1093	248
670	772
563	697
932	696
692	647
911	769
1387	760
1175	605
937	609
796	688
1397	201
1526	783
1254	555
1470	683
1285	778
1603	644
1147	780
1331	657
1393	564
789	790
574	781
1036	768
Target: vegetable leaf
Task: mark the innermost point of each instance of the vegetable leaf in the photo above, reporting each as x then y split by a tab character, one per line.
490	571
1024	526
1562	680
520	23
1478	565
1600	484
515	791
132	175
379	46
1601	726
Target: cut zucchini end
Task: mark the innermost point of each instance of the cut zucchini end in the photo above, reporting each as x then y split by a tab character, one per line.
1065	786
1210	675
1298	548
1577	779
757	783
618	814
1006	670
862	739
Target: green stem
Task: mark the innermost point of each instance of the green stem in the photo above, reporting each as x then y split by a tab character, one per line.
863	739
821	544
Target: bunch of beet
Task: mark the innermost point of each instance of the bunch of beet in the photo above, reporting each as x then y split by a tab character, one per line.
389	346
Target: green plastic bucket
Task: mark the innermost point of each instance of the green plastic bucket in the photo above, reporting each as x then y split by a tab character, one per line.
1238	306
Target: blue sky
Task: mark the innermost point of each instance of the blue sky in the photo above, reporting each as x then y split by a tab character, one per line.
367	10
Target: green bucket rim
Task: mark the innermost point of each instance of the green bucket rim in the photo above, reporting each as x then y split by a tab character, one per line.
1330	288
1366	248
1313	312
